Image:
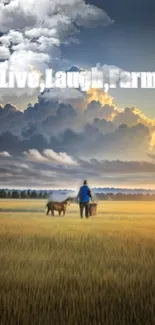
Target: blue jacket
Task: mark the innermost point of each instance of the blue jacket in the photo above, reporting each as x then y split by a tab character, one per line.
84	194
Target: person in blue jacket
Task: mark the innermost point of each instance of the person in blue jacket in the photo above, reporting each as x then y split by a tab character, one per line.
84	197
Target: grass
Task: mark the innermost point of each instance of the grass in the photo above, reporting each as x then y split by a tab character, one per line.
67	271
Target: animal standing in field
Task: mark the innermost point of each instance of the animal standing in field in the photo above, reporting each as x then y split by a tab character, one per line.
57	206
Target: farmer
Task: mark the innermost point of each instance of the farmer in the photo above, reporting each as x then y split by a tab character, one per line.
83	198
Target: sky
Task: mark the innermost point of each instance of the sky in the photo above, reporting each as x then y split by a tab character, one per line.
60	137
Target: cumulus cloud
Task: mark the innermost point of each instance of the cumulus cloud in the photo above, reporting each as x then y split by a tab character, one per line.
35	155
27	59
34	37
64	130
131	116
49	156
61	157
101	130
4	53
54	134
13	37
5	154
35	32
68	95
10	119
34	12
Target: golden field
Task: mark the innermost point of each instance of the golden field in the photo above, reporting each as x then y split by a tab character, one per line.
68	271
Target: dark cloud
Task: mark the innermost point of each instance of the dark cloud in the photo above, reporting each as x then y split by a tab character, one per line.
124	143
49	124
120	143
104	126
30	172
99	139
15	145
96	109
41	110
10	119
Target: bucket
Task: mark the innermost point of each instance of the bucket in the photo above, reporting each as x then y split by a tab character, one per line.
92	209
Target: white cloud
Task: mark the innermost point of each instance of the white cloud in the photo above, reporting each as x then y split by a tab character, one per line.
35	155
42	24
5	154
60	158
22	60
34	36
5	40
13	37
38	32
24	166
4	53
49	156
63	95
26	45
46	42
88	15
33	12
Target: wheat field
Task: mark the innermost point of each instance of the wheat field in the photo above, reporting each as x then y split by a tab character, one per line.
68	271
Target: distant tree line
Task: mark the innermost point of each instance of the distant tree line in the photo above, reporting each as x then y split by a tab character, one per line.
41	194
125	197
23	194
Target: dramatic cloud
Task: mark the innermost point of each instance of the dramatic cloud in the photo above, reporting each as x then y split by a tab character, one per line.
39	173
32	13
132	116
74	135
100	130
33	37
63	136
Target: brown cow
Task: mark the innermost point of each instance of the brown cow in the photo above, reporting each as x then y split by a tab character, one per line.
57	206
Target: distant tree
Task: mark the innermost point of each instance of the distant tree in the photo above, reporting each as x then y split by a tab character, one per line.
23	194
34	194
45	195
29	193
15	194
40	195
3	194
9	194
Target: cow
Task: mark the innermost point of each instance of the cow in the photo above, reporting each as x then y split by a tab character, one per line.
57	206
